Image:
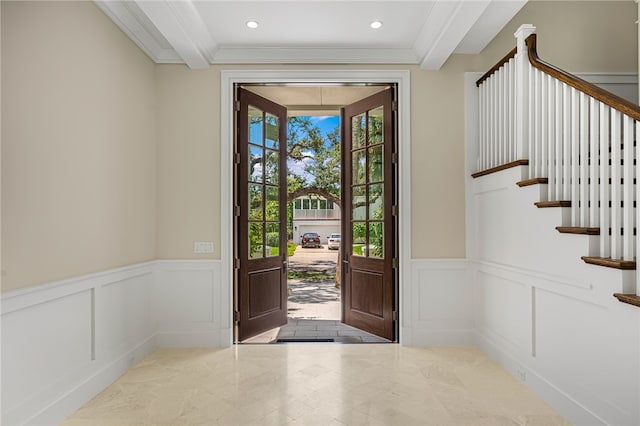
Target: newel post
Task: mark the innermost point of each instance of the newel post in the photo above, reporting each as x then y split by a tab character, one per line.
522	91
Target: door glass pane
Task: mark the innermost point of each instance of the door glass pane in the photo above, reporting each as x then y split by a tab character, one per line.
271	174
255	202
255	164
255	240
376	240
273	203
273	136
359	240
376	201
272	247
376	126
359	203
359	171
358	131
255	126
376	164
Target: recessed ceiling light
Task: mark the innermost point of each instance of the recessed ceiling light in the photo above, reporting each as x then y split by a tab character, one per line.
252	24
376	24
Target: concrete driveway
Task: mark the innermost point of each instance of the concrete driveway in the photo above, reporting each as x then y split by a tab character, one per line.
314	259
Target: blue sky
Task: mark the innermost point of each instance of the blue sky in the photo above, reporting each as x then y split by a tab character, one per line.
326	123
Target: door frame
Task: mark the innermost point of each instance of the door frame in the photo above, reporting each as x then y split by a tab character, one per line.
229	78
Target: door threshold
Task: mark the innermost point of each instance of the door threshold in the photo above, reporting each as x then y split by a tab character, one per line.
300	330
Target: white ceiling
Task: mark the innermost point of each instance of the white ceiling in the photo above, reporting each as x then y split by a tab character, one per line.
205	32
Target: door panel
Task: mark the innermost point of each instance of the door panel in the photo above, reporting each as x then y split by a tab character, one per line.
261	226
368	178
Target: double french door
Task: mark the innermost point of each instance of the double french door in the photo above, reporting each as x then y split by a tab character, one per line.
368	251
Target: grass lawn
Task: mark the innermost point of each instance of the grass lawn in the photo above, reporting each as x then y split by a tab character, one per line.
291	248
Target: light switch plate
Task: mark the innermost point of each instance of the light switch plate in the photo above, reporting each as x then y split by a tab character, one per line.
203	247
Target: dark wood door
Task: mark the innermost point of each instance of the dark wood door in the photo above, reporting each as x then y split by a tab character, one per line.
261	183
368	222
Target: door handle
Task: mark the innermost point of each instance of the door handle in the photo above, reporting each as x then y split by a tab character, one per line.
345	266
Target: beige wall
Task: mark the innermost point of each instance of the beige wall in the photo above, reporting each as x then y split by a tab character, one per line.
188	192
78	144
577	36
86	115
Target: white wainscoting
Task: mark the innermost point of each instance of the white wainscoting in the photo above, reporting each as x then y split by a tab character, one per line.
570	341
191	305
545	315
438	307
65	341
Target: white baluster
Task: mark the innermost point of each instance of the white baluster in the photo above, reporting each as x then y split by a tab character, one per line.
558	140
616	191
550	136
537	124
628	252
566	141
544	127
530	119
594	193
511	120
575	158
501	121
492	115
483	126
584	156
605	175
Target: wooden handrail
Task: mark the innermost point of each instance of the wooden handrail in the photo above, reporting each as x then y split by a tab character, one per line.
614	101
497	66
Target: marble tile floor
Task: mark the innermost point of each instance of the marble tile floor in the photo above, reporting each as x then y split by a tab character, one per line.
316	384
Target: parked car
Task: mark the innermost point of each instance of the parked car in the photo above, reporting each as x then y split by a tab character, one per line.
310	239
333	241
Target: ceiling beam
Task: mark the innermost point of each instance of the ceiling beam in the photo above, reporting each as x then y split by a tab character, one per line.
181	25
445	28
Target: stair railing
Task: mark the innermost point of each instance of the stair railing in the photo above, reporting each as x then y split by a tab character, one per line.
577	137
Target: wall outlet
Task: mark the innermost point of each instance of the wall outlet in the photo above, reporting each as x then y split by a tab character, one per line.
203	247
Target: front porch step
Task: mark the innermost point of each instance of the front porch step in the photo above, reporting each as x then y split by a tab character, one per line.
610	263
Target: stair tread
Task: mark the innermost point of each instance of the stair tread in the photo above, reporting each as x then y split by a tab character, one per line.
500	168
582	230
533	181
610	263
546	204
631	299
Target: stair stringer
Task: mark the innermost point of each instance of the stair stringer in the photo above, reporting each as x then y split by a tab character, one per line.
543	313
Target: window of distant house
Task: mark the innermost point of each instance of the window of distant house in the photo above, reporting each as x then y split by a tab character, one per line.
312	204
